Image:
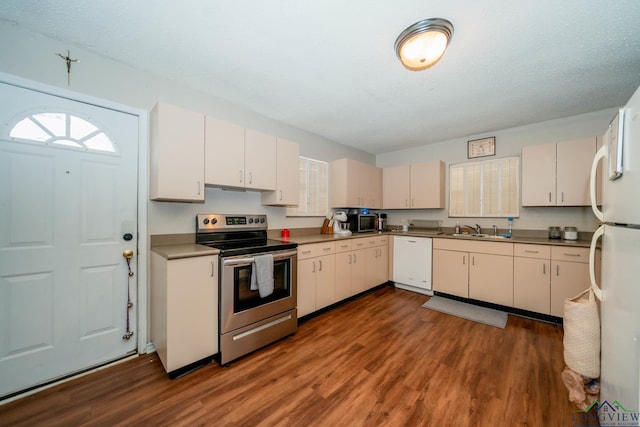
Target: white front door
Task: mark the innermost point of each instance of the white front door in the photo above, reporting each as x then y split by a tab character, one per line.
68	197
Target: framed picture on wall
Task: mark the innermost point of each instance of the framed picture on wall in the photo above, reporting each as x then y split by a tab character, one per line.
481	147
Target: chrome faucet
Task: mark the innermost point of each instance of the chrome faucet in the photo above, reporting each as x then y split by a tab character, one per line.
476	228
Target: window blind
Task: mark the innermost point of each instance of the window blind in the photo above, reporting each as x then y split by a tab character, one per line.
314	189
489	188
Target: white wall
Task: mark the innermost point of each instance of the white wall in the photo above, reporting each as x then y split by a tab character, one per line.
509	143
33	57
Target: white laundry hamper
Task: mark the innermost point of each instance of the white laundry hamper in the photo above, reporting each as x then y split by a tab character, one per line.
582	334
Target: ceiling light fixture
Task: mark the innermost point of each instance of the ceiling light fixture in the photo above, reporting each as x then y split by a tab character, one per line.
422	44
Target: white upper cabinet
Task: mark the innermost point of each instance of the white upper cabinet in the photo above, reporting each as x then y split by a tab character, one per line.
427	185
355	185
287	192
239	158
259	160
177	154
573	167
396	187
557	174
224	164
415	186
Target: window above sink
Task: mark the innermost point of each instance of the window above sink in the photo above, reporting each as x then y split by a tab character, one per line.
489	188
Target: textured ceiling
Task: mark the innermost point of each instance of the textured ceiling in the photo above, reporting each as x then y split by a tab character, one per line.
329	67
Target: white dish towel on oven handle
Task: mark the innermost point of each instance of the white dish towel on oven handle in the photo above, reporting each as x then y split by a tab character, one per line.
262	275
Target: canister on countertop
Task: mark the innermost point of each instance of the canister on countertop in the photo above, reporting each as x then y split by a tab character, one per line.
570	233
554	232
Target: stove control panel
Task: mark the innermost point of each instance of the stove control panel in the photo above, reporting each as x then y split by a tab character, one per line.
225	222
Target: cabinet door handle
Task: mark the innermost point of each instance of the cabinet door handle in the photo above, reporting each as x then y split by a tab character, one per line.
320	265
544	268
531	252
549	196
213	269
473	260
250	177
562	197
557	269
354	258
313	264
568	254
240	175
349	258
280	195
464	260
198	188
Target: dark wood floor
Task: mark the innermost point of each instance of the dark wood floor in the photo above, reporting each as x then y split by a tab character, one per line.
378	360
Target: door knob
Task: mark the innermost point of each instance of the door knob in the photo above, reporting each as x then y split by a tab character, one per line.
128	254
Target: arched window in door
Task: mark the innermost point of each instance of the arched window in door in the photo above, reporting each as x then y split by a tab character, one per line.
62	130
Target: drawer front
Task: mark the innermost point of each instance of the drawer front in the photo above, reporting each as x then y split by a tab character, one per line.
383	240
343	246
327	248
568	253
481	247
307	251
452	244
532	251
372	241
359	244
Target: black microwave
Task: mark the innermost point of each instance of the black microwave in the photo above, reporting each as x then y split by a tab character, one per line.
361	223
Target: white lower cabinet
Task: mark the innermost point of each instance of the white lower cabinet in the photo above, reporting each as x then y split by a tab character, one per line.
450	271
334	271
344	262
474	269
316	277
491	277
569	275
184	309
536	278
532	278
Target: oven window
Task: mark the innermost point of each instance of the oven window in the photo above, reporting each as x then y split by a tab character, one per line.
244	298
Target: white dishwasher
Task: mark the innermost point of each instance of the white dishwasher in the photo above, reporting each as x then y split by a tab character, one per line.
412	263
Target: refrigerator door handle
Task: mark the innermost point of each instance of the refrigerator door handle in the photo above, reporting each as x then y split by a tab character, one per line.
592	262
602	153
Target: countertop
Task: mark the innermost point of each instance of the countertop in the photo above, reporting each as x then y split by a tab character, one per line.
320	238
186	250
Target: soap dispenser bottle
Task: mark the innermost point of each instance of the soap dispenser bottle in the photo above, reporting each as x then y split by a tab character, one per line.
457	229
510	232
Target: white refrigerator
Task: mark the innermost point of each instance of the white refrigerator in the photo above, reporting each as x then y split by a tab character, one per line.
619	287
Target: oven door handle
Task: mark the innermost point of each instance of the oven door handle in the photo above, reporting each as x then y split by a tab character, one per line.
276	257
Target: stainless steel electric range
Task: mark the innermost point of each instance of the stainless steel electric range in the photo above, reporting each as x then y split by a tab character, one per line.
249	321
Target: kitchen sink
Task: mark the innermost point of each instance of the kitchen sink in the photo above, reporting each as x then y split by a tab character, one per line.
480	236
